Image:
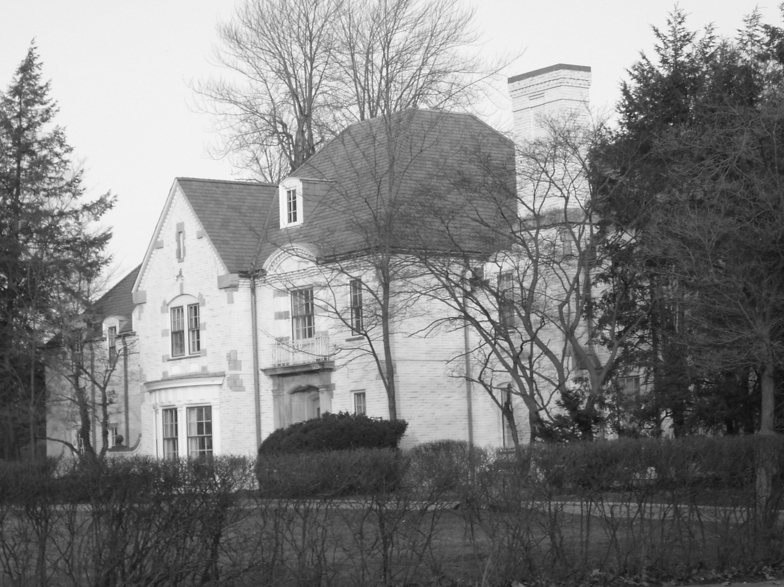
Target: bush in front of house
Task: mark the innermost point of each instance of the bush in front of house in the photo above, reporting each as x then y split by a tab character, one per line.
341	431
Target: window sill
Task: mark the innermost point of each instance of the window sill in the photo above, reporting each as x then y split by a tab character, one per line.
355	338
185	357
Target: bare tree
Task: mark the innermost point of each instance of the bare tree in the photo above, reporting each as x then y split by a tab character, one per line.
301	70
532	305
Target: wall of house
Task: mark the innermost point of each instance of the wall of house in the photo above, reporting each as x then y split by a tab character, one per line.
225	351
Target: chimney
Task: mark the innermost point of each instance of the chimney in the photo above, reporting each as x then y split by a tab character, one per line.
550	91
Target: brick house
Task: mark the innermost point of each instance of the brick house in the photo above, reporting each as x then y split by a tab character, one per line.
257	306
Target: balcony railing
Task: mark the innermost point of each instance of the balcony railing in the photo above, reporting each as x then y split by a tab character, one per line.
299	352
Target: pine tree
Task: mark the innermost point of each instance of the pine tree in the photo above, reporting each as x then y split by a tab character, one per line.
48	245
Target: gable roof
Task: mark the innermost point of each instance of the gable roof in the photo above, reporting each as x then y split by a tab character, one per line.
234	214
118	301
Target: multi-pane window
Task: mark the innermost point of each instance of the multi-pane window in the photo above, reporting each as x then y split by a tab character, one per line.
359	403
200	432
506	299
302	314
355	292
178	330
194	336
170	446
291	206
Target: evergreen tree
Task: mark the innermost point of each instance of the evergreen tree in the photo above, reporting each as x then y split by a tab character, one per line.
48	246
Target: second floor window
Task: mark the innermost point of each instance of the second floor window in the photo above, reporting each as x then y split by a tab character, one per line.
178	327
355	292
111	341
302	314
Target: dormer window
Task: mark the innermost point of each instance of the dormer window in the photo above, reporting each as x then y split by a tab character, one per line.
290	202
291	206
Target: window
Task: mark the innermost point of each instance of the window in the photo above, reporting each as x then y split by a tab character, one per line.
506	301
355	292
170	447
111	342
194	337
567	241
302	314
178	330
291	206
359	403
200	432
629	386
180	244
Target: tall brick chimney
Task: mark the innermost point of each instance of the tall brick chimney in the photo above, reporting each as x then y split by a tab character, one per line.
549	91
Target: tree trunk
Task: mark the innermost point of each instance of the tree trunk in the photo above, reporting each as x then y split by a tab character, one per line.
768	391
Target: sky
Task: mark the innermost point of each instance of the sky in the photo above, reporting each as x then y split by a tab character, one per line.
122	72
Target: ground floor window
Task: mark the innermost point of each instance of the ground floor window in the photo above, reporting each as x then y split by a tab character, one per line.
360	406
170	434
200	432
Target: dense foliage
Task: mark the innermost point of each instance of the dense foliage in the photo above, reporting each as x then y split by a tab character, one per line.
693	179
341	431
48	248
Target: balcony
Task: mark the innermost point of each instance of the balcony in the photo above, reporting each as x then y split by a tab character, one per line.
308	354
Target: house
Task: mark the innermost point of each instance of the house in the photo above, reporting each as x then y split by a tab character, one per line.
109	353
258	306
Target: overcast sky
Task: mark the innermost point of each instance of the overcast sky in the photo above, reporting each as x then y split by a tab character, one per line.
120	71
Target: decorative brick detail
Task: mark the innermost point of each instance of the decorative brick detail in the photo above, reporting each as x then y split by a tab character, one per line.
165	333
202	326
164	358
159	244
229	297
231	356
164	307
202	300
228	280
204	368
282	315
139	297
201	233
142	376
235	383
280	293
203	352
165	375
235	365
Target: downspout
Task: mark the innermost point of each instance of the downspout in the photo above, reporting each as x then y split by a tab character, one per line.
255	339
469	386
126	407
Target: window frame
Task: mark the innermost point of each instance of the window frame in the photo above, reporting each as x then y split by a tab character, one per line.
290	203
303	314
356	317
111	342
291	207
632	391
203	447
360	403
185	334
172	439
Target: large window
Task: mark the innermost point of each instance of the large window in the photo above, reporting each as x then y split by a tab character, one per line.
200	432
111	341
178	348
170	445
629	386
355	292
302	314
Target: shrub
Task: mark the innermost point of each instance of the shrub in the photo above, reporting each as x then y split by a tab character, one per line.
329	474
340	431
443	466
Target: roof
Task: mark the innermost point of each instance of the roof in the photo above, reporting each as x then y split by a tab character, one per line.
400	167
234	214
118	300
549	69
